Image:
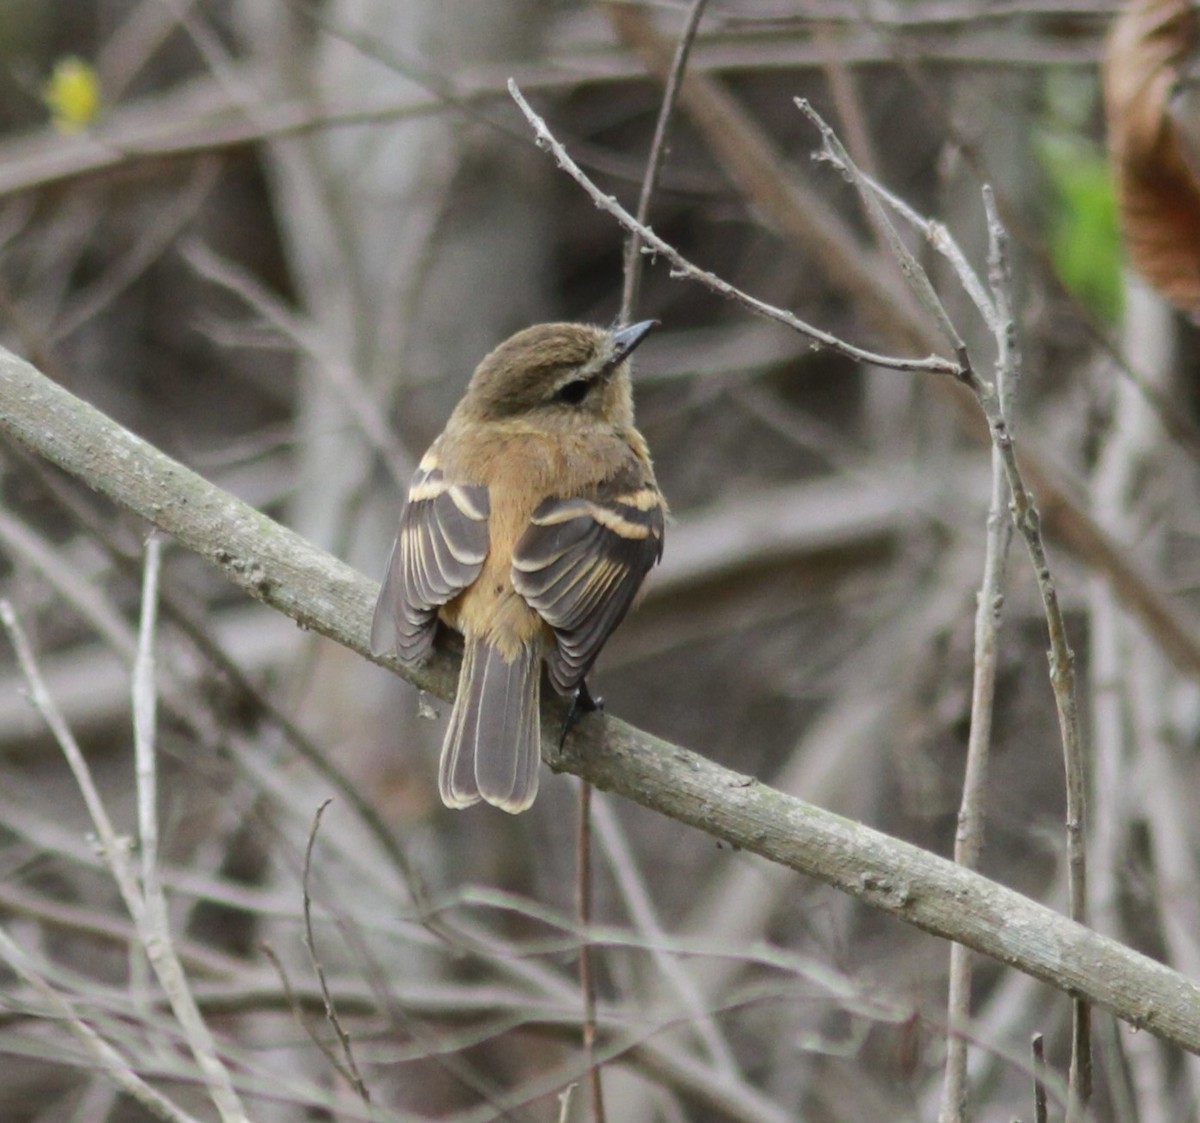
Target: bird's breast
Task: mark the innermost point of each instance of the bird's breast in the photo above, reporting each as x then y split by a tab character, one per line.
522	466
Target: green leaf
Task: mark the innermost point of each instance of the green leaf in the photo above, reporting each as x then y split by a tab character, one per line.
1085	241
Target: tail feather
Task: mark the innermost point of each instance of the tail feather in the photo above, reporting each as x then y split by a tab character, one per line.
493	745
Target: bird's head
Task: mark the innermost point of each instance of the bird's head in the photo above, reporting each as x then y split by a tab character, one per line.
566	371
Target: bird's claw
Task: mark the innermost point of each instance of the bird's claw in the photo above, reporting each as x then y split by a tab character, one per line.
582	703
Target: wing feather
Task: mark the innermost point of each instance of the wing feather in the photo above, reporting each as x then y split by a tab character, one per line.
440	549
580	563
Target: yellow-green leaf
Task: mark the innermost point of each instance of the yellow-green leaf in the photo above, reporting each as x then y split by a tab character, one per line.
72	94
1084	234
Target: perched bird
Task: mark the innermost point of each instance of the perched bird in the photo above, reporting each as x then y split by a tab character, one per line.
530	525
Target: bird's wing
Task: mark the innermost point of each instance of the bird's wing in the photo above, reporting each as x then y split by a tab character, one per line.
580	563
440	549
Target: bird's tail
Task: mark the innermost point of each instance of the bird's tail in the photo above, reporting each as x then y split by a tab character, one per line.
493	744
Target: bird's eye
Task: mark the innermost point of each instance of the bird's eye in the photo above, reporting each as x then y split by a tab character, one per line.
574	391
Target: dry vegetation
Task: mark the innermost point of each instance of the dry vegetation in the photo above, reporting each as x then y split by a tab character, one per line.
276	255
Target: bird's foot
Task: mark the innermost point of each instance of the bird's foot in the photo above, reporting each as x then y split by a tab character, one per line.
582	703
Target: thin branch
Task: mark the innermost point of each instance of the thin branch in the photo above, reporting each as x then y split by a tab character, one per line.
155	928
629	299
1062	680
114	848
968	840
1062	673
349	1070
658	146
684	268
151	929
288	573
917	278
145	719
587	981
1028	524
1039	1079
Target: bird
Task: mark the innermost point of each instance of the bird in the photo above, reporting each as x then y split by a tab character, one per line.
530	526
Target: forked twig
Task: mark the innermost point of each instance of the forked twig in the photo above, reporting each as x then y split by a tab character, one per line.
934	364
1024	512
918	280
1028	523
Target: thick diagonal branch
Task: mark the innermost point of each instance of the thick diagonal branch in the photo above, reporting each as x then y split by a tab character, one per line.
284	571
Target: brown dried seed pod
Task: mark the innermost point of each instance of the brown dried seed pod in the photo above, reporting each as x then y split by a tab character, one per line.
1153	121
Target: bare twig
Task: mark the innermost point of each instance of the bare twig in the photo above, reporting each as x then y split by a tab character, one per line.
916	277
145	718
1039	1079
629	299
1062	679
1028	524
1062	660
587	981
297	1011
658	147
152	929
684	268
968	840
348	1070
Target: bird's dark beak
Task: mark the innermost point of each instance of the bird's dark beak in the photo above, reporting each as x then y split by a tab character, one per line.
625	340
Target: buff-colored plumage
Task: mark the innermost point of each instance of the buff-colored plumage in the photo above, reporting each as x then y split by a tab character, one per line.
530	525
